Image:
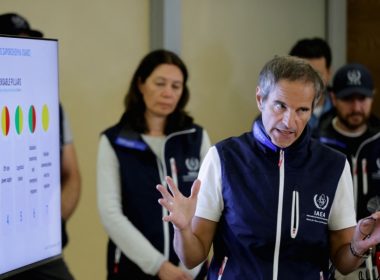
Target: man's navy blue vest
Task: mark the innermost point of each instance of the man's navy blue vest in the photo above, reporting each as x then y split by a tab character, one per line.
246	233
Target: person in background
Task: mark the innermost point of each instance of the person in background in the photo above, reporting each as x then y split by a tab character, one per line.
15	24
318	53
352	129
274	202
154	138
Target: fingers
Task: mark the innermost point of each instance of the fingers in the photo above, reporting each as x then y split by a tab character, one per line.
195	188
366	226
173	188
376	215
164	192
368	231
166	200
166	203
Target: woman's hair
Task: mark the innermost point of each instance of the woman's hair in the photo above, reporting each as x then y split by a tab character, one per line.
134	102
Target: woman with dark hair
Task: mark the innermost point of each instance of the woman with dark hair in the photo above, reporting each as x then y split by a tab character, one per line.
154	138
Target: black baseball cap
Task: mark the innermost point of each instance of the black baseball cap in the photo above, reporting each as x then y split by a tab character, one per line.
14	24
353	79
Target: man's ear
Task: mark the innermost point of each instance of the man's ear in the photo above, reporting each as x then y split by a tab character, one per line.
259	99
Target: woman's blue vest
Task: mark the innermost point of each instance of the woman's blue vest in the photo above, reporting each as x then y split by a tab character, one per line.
139	174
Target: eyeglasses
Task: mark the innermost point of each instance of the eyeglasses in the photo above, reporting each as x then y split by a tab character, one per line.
367	226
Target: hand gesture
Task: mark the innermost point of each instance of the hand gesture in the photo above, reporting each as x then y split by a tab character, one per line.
181	209
367	233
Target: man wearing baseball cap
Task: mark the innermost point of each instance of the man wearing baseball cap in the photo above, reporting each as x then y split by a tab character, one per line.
14	24
352	129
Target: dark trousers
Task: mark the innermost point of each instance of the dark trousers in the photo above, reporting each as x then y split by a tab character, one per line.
54	270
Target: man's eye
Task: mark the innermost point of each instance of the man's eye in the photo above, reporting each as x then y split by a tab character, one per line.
304	110
278	107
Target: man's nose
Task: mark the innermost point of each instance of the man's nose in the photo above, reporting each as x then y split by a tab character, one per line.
357	104
289	119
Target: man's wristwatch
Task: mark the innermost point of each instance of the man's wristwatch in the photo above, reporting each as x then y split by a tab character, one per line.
356	254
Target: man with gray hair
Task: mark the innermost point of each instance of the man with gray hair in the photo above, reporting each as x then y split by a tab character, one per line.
274	203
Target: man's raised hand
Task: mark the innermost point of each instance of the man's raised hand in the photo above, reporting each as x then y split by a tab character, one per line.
181	209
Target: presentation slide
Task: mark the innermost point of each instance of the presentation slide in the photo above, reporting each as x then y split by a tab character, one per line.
30	215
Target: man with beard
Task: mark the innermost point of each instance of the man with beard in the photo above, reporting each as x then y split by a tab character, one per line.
352	129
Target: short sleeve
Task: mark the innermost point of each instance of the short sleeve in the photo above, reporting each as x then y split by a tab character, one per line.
342	213
210	201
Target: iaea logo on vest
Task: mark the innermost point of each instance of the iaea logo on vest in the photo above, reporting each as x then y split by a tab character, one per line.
321	201
192	165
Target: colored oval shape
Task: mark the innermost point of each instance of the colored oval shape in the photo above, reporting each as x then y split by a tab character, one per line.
19	120
5	123
32	119
45	117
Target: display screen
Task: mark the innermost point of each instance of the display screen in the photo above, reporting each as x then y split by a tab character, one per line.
30	215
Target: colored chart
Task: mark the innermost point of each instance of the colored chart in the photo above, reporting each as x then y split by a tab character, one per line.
30	204
32	119
45	117
5	121
19	120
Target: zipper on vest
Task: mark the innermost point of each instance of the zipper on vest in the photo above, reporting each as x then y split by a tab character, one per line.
163	173
222	267
173	168
364	176
355	179
364	168
295	215
281	166
116	260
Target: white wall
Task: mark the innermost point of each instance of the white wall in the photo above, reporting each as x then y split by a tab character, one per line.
225	43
